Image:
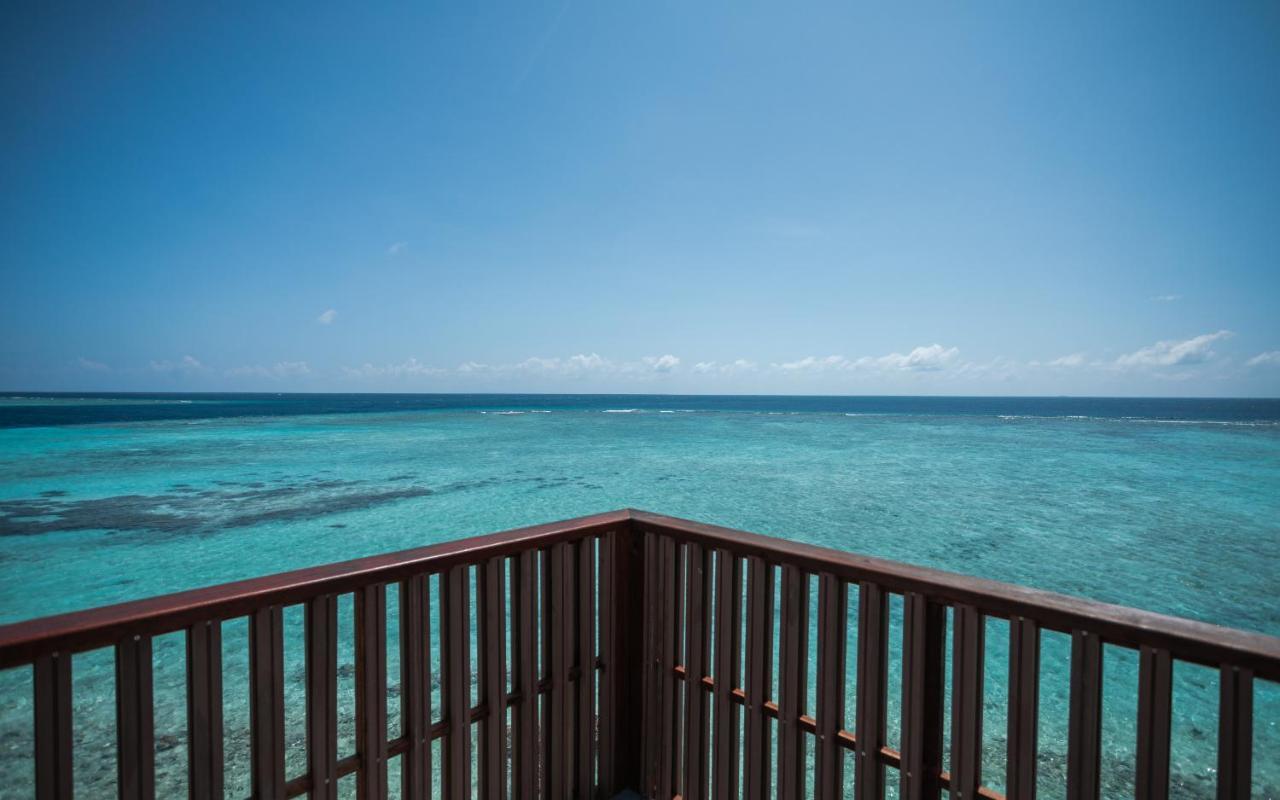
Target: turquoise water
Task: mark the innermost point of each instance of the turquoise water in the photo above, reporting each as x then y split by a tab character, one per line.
1156	504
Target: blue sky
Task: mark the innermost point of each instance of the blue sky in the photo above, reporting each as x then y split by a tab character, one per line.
996	198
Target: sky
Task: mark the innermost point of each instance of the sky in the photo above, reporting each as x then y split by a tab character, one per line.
995	198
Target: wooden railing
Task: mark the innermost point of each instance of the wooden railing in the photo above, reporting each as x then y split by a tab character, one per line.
632	650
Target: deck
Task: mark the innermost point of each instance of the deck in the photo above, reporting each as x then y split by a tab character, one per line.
636	652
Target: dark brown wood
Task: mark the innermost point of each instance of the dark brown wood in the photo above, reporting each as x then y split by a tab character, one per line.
371	691
204	711
524	752
52	701
967	664
322	696
266	706
1023	709
833	626
558	706
135	721
610	701
493	667
455	652
793	680
924	632
1084	722
696	654
669	633
873	653
654	674
628	577
1155	704
644	633
1186	640
586	660
1235	733
759	674
415	687
728	669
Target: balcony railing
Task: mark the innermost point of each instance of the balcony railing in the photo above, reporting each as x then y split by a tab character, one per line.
634	651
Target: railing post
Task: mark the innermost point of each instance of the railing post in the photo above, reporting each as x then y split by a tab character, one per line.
1235	733
924	633
52	680
135	720
266	701
1024	715
322	695
204	710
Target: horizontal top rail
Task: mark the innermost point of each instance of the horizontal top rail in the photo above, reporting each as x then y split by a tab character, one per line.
1185	639
77	631
1188	640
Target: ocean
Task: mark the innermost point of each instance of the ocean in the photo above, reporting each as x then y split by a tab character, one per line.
1170	505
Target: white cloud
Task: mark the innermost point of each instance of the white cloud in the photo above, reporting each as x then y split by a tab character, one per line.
327	316
927	358
92	366
1270	358
411	367
187	364
664	363
932	357
729	368
282	369
573	365
1073	360
1166	298
1171	353
588	362
397	248
816	364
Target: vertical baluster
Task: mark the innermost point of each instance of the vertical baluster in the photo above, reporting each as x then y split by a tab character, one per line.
669	632
1155	701
1024	693
586	668
794	645
415	687
610	703
266	708
873	631
1235	733
322	695
493	664
924	634
759	678
1084	725
833	623
696	656
204	711
728	669
558	730
652	692
966	702
371	690
524	612
456	655
52	700
135	720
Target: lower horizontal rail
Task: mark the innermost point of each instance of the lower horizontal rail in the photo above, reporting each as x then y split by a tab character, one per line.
300	785
846	739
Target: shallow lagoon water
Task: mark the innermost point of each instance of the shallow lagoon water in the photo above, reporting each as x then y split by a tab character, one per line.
1172	506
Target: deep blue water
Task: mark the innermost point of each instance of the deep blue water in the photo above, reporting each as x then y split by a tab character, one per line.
1163	504
60	408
